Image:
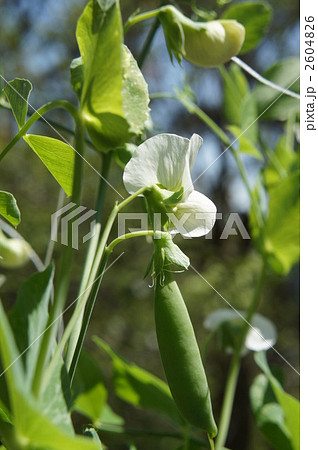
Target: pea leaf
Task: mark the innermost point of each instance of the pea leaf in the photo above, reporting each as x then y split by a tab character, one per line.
89	388
138	387
77	77
134	93
9	208
235	89
29	316
285	73
268	414
289	405
245	145
114	95
37	429
18	92
255	16
282	225
57	156
282	161
27	416
12	367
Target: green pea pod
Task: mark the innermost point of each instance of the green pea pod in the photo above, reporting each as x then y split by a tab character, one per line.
180	356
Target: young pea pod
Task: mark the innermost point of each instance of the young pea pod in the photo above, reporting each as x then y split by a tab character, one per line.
180	356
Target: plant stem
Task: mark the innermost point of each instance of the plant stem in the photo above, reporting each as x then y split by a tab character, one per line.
234	369
98	267
88	314
146	48
211	442
52	123
92	247
64	273
124	237
64	104
140	17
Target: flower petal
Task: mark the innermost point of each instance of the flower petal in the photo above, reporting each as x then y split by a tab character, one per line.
195	216
262	336
162	159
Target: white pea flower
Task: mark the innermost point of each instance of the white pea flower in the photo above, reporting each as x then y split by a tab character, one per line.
163	164
261	336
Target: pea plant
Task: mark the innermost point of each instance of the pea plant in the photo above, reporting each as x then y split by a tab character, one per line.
47	380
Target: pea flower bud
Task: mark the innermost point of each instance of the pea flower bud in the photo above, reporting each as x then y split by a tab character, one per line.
206	44
14	253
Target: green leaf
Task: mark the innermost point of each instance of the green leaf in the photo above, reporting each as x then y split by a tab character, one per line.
77	78
29	316
28	319
114	97
105	4
30	424
89	388
245	145
240	105
268	414
55	402
285	73
9	208
123	154
10	359
255	16
289	405
18	92
282	161
134	93
138	387
41	433
57	156
175	255
282	225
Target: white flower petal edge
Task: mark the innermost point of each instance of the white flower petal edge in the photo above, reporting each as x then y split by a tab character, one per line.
196	215
164	159
262	336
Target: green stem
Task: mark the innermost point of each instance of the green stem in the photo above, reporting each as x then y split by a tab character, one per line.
88	314
64	273
140	17
146	48
124	237
211	442
234	369
98	268
51	123
64	104
92	247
